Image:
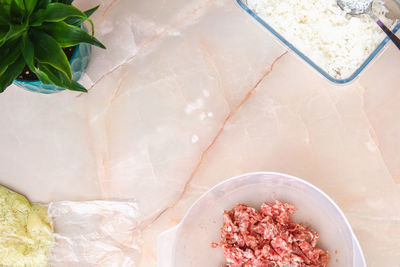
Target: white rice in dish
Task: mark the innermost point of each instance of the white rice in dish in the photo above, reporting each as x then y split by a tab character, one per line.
321	30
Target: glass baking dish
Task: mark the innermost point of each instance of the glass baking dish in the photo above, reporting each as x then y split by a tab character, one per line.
394	14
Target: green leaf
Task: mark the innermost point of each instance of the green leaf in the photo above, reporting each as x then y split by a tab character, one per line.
11	73
41	4
50	75
89	12
3	31
74	21
17	11
28	51
8	56
67	35
13	33
20	4
68	2
56	12
77	21
30	5
3	20
15	30
48	51
4	15
59	11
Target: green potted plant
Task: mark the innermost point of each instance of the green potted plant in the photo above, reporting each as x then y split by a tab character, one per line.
44	46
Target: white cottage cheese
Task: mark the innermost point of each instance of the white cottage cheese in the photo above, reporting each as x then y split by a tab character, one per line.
357	6
335	41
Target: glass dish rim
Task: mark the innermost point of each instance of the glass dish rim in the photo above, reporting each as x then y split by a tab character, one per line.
307	59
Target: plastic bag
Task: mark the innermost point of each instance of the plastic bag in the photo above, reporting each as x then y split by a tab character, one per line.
94	233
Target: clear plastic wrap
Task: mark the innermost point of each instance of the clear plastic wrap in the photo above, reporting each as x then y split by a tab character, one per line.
94	233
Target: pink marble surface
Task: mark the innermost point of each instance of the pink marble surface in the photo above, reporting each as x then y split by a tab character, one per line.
190	93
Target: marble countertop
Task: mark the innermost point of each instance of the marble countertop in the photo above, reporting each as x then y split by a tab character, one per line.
190	93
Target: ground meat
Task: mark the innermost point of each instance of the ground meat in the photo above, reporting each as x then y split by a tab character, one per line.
268	238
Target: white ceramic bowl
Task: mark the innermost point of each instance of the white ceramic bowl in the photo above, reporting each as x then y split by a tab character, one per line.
188	244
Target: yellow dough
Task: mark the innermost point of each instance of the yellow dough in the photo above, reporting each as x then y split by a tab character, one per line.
26	235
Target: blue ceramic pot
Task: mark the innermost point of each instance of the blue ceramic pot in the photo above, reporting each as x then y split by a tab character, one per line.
79	62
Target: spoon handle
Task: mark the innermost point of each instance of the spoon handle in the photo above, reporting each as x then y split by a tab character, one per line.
388	32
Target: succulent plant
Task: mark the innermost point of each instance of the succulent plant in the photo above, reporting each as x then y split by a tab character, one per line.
33	34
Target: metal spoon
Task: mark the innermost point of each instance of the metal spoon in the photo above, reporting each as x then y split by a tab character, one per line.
357	7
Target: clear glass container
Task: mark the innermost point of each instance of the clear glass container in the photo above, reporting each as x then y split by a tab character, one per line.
394	14
188	244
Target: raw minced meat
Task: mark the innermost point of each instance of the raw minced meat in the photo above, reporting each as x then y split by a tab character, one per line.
268	238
